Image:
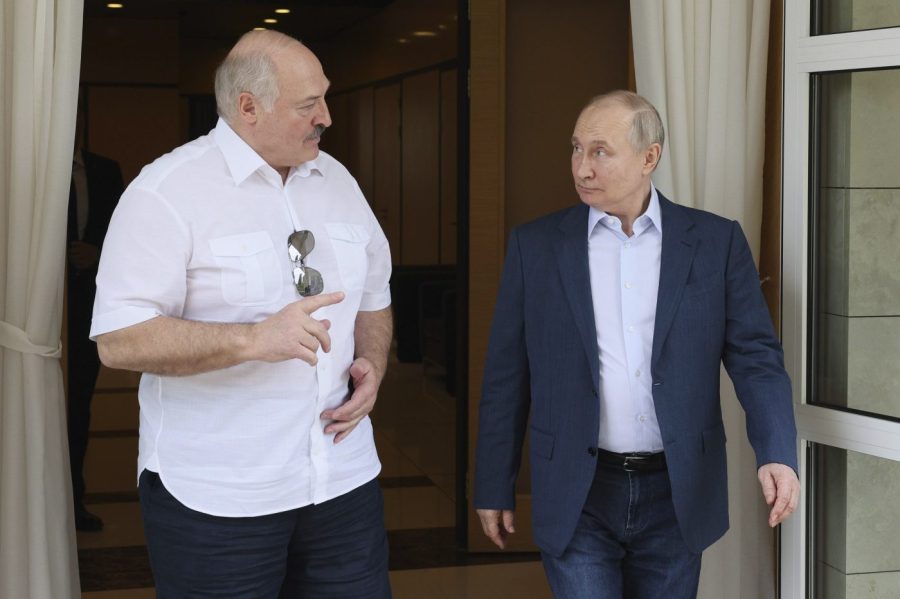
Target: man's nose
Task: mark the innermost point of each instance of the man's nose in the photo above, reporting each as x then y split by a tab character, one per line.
324	116
584	170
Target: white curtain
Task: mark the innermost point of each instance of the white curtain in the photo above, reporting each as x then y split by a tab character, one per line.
40	53
702	63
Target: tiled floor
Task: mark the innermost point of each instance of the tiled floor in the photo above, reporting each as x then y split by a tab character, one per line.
415	433
499	581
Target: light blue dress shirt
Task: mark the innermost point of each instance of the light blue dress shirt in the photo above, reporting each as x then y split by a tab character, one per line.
624	284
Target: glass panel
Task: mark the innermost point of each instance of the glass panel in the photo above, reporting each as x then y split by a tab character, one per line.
840	16
855	230
855	525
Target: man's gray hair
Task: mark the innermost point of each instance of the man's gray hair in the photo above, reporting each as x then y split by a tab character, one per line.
249	68
646	126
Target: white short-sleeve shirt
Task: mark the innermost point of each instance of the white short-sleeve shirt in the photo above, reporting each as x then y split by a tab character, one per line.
201	235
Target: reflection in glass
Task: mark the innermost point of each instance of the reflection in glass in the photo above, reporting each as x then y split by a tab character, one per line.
840	16
855	302
855	525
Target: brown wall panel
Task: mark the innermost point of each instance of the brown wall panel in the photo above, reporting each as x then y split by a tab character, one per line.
386	179
583	51
770	239
421	190
449	190
114	110
130	51
335	140
362	139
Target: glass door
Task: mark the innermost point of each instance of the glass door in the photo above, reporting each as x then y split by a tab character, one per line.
841	326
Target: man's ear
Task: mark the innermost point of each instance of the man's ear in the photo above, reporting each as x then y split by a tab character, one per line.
247	108
651	158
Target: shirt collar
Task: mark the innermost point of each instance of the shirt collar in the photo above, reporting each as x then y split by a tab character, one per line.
652	214
243	161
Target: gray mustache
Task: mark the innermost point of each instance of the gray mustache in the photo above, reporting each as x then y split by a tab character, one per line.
320	129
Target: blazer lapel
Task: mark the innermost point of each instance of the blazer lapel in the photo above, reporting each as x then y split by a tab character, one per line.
678	246
572	256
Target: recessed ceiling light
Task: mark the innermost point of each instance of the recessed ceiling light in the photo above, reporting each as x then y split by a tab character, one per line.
259	29
270	21
424	33
115	5
442	27
283	11
402	40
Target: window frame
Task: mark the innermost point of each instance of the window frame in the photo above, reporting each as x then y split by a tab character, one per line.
805	55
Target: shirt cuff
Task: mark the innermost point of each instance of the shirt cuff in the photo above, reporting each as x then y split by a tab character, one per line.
120	319
372	302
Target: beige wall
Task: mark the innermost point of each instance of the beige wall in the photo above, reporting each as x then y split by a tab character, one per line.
559	55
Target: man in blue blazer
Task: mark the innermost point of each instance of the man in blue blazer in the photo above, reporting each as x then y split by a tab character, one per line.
612	321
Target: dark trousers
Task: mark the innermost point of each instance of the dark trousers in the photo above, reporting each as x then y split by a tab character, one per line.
83	366
336	549
627	543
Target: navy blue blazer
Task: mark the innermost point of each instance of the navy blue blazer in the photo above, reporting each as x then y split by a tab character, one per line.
543	364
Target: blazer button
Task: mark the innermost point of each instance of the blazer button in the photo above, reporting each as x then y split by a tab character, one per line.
592	451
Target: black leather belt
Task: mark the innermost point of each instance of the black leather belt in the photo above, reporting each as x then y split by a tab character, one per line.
633	462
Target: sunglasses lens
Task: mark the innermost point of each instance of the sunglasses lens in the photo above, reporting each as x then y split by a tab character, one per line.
308	281
300	244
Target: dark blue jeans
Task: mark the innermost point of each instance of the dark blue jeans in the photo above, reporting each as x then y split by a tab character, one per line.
627	543
337	549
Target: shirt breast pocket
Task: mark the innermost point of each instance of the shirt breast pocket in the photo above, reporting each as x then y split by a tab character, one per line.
349	242
249	268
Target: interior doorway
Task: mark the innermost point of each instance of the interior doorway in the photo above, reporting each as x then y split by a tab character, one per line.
400	126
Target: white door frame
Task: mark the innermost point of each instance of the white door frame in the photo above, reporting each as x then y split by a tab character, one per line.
804	55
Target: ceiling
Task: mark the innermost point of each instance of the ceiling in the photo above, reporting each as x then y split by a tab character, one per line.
309	20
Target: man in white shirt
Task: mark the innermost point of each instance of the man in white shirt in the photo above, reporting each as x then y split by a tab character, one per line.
245	275
612	322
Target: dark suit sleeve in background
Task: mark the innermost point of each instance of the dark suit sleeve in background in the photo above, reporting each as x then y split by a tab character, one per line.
105	186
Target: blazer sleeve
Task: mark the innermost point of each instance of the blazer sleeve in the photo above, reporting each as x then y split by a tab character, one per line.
755	362
505	392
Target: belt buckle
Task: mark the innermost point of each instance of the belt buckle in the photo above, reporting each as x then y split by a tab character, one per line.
633	463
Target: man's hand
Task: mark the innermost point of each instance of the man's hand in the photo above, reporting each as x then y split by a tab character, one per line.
497	525
292	332
83	255
366	380
781	488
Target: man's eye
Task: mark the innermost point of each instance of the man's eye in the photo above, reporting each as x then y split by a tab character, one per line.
599	152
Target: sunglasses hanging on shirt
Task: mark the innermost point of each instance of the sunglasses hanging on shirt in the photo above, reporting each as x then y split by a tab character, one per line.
308	281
